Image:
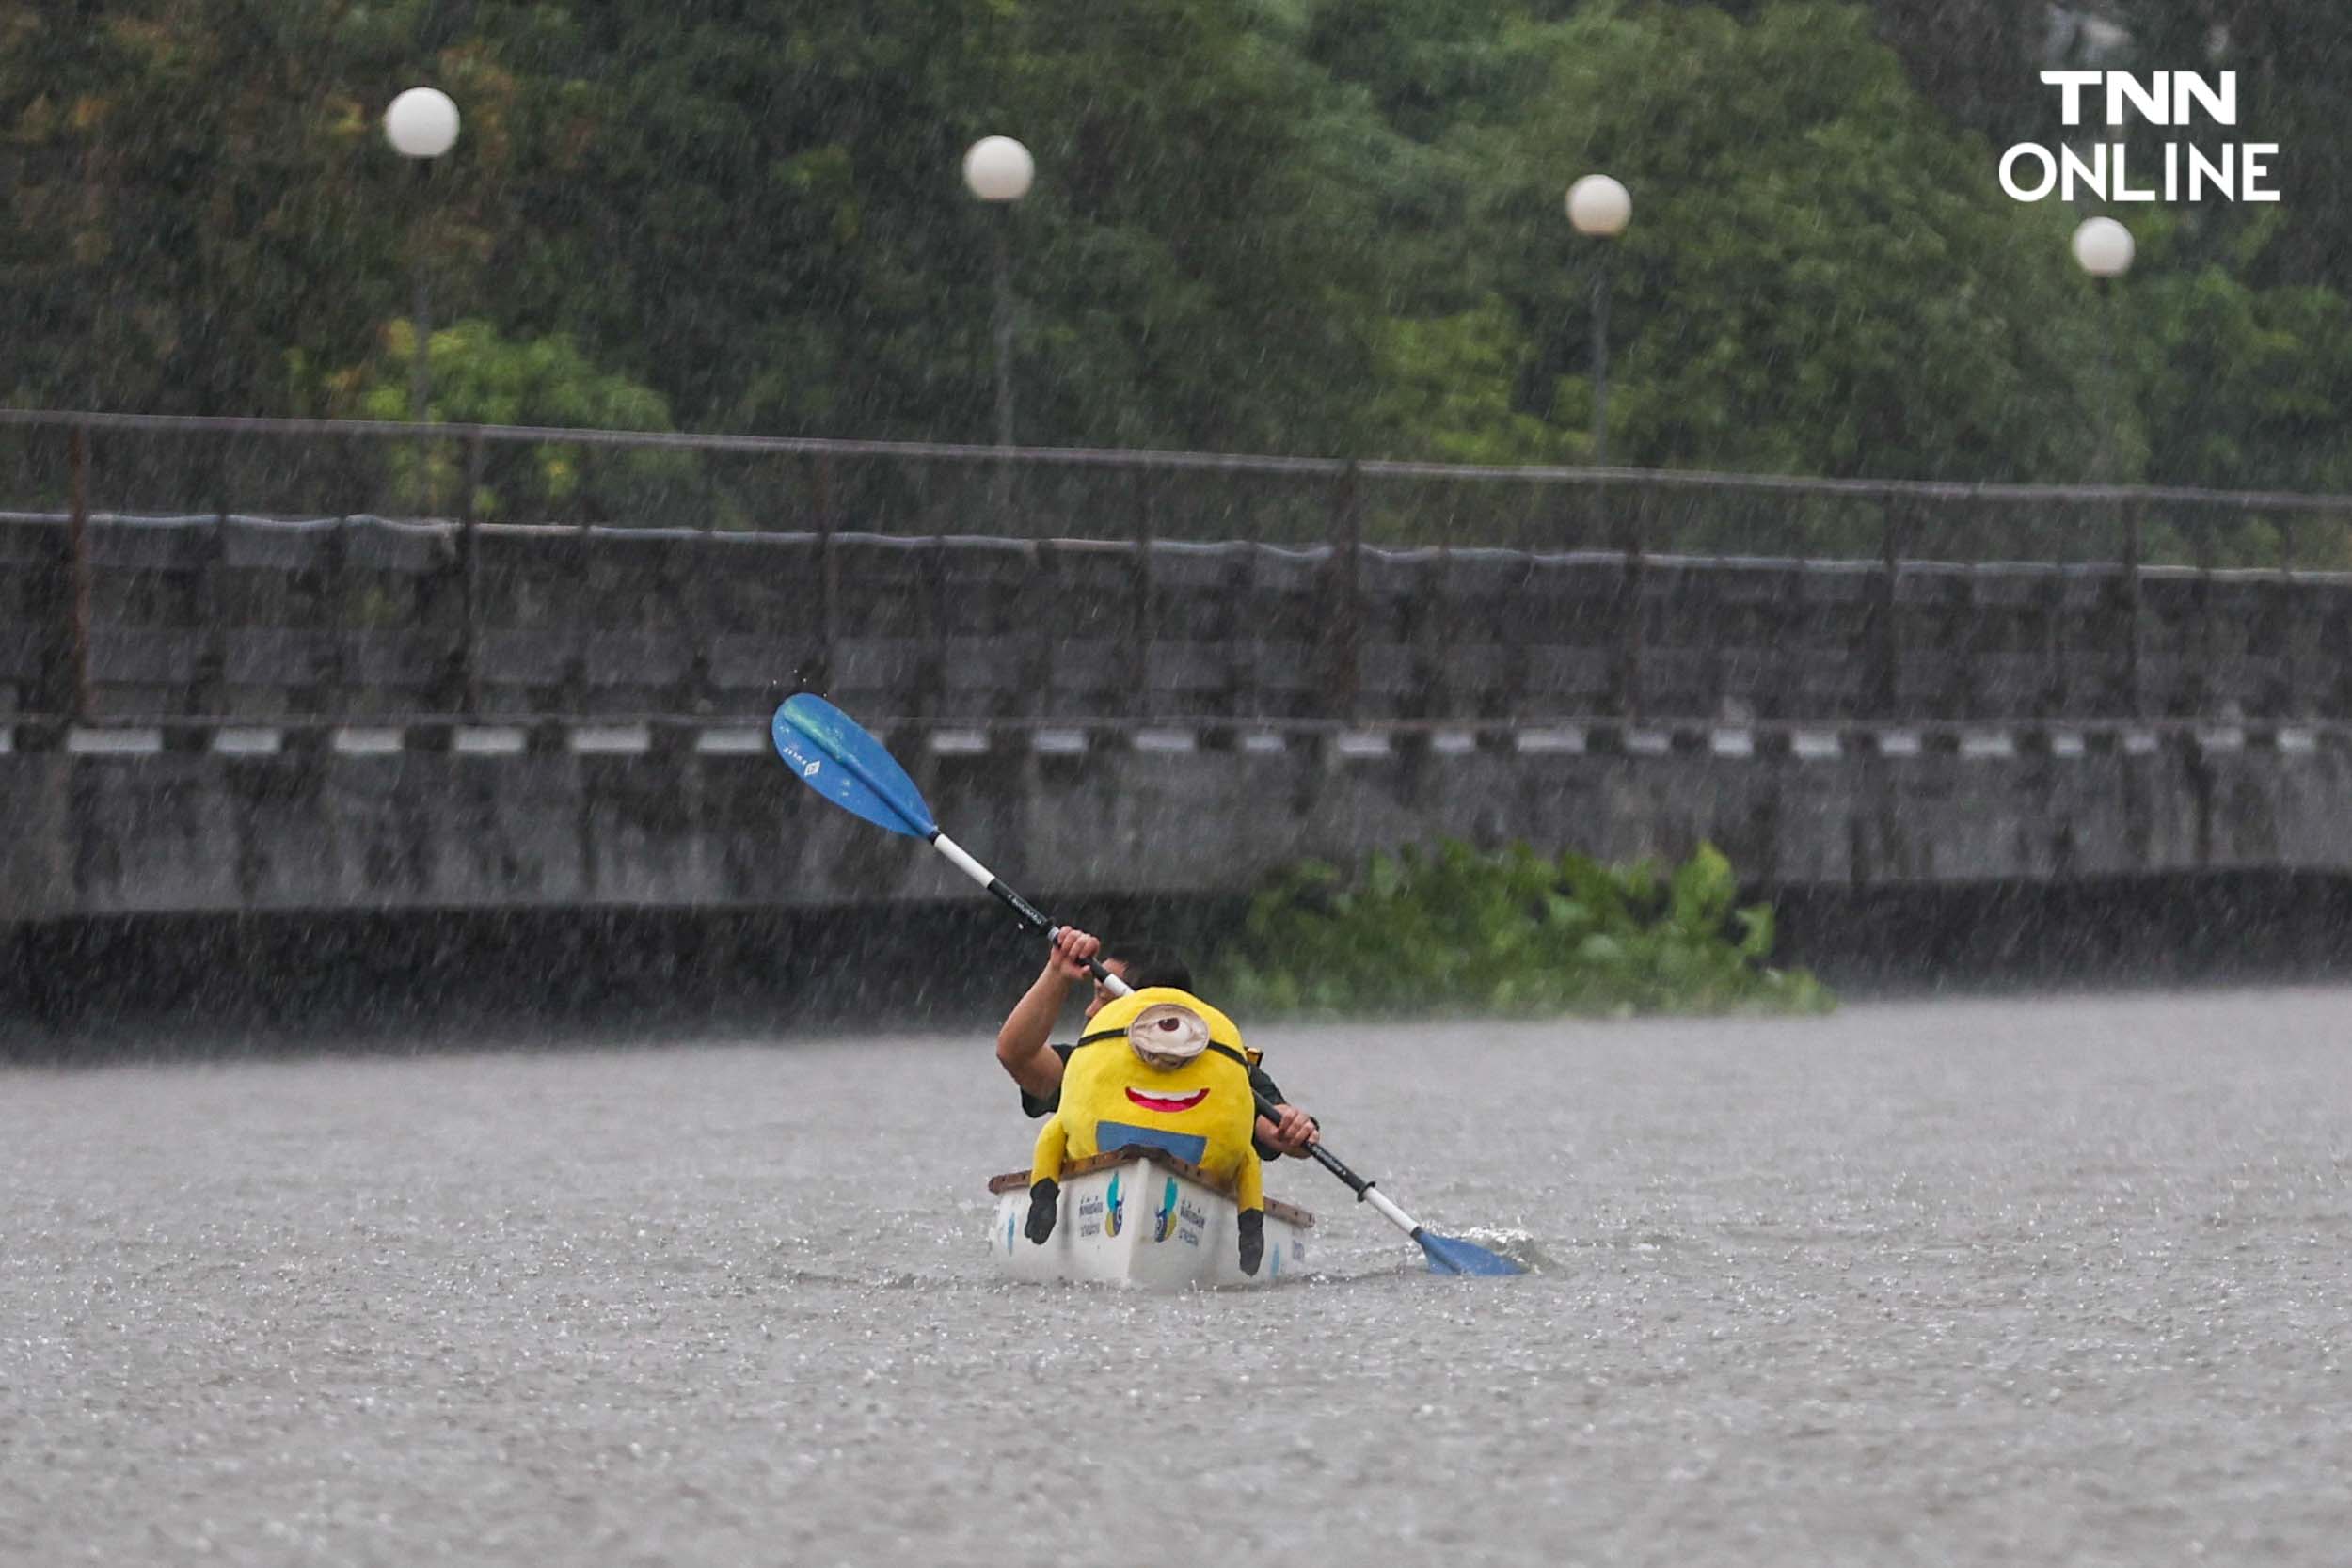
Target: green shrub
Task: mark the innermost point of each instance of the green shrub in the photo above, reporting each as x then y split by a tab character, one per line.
1511	932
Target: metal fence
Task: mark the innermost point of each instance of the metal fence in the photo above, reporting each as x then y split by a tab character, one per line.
190	570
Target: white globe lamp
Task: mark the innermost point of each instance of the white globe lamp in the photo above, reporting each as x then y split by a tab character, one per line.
998	168
421	123
2103	247
1599	206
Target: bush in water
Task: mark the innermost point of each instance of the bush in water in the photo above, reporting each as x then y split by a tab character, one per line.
1510	932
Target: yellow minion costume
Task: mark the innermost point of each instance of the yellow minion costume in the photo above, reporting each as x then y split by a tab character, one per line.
1162	1069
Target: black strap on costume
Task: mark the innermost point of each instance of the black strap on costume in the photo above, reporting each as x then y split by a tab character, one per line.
1225	1051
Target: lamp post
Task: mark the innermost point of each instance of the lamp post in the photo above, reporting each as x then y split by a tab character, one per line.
999	171
1600	207
421	124
2103	247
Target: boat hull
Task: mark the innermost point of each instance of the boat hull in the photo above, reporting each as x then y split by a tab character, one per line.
1145	1220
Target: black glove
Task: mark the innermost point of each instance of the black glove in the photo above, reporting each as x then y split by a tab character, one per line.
1044	1195
1250	1225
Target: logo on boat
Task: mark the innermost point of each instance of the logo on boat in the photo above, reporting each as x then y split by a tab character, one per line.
1112	1220
810	771
1164	1222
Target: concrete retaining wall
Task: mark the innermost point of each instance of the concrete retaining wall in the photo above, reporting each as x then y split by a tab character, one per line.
489	819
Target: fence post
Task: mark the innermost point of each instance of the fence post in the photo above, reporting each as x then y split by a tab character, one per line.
1144	613
335	601
469	583
938	595
1886	646
2203	686
78	596
2334	683
1630	587
2290	625
818	674
2133	704
1342	600
209	697
687	575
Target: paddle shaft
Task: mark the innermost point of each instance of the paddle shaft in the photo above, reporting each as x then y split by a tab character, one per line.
1027	913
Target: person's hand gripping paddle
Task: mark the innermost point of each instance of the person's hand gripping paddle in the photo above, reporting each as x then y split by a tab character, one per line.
837	759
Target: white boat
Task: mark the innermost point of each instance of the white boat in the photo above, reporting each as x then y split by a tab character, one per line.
1143	1219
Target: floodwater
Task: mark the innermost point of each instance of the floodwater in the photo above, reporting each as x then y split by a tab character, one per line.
1997	1282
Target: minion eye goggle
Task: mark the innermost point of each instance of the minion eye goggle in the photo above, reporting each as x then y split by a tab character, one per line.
1166	1036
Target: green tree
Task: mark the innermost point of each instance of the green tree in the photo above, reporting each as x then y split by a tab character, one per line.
2288	56
1303	225
1819	277
201	187
481	378
1448	381
771	211
1980	61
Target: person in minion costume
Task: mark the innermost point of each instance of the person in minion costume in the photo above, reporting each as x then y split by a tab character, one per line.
1162	1069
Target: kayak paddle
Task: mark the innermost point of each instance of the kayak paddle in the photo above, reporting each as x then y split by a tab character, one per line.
837	759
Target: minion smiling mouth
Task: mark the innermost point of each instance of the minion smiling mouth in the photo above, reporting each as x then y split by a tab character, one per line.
1168	1104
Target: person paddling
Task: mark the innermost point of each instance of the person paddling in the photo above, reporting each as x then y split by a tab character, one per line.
1023	1051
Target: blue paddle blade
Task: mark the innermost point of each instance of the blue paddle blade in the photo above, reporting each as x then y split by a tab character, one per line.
848	766
1452	1255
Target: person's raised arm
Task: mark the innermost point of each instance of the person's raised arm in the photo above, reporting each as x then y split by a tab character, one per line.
1023	1045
